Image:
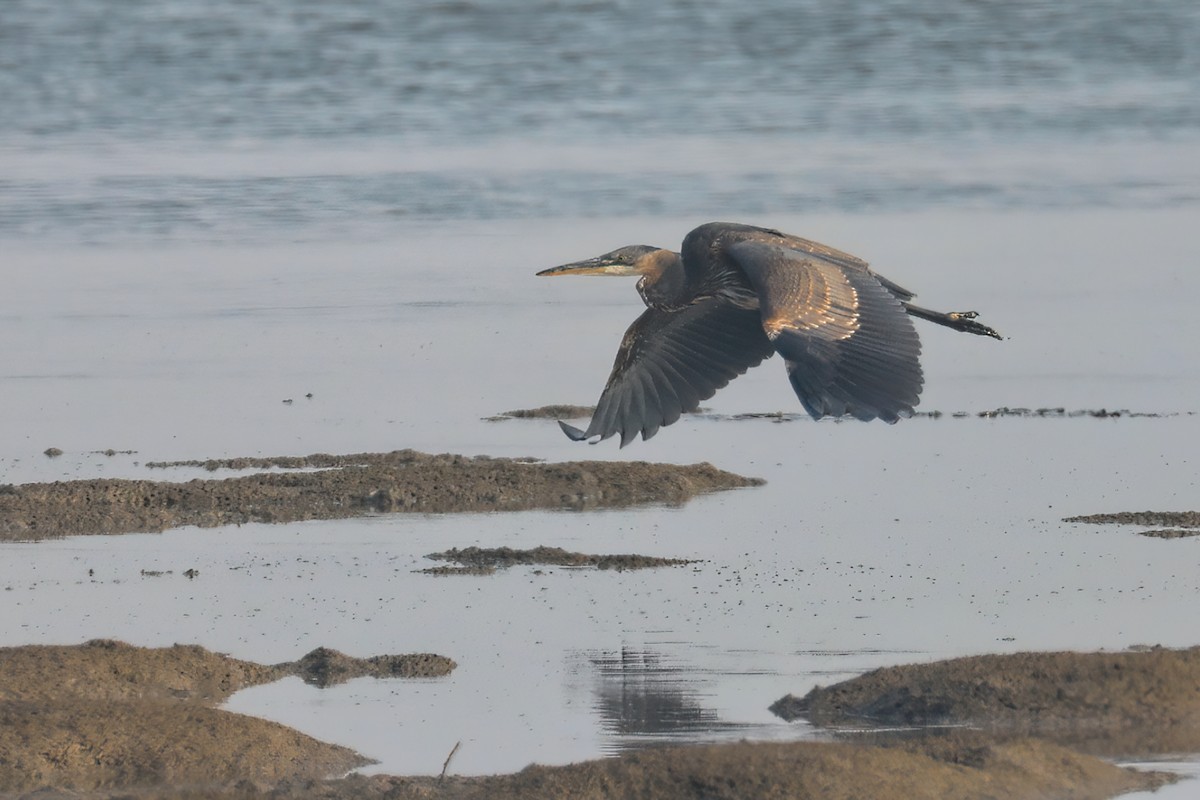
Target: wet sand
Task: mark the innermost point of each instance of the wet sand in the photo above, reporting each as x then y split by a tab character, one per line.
345	486
105	718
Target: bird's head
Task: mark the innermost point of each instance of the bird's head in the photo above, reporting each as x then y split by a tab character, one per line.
636	259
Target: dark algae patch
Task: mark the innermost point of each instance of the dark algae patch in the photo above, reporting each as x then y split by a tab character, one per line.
499	557
1130	703
336	487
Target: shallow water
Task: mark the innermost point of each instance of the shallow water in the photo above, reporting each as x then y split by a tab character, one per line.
208	209
870	544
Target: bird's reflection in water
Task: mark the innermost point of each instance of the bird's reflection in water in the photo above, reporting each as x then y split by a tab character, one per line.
644	699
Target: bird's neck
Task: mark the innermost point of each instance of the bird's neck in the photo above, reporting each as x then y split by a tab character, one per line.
664	284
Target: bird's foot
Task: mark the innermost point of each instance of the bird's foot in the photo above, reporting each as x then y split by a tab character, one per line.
965	321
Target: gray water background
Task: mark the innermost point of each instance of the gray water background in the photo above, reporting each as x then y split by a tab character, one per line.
277	120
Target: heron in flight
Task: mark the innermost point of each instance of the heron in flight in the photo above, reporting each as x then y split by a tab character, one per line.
735	295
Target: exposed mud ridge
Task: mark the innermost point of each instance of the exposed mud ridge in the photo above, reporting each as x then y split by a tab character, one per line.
545	412
1097	413
445	570
106	715
797	771
1176	519
347	486
582	412
495	557
1132	703
1004	411
325	667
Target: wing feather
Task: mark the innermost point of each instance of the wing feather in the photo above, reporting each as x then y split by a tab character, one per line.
849	345
670	361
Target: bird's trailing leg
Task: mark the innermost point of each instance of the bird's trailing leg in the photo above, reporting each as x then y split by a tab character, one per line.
958	320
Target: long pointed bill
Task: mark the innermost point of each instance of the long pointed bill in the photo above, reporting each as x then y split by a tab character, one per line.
592	266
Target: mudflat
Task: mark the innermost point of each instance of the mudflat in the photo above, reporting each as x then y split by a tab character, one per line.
106	719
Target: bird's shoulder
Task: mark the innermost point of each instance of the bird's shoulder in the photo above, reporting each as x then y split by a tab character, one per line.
713	240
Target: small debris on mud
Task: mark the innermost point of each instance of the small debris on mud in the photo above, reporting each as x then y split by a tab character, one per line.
555	556
348	486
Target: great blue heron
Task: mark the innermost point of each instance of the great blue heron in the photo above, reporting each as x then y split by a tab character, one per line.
735	295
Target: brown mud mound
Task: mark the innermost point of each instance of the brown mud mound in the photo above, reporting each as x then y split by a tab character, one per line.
326	667
498	557
1118	704
348	486
1017	770
821	771
108	715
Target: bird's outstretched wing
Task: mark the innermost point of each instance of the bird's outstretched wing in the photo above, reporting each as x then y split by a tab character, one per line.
849	345
669	361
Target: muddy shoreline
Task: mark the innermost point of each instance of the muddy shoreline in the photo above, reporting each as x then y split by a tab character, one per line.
105	719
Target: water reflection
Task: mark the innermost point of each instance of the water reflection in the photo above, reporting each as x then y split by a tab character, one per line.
644	698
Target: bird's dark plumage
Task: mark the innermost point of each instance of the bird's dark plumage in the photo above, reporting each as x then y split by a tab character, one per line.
734	295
